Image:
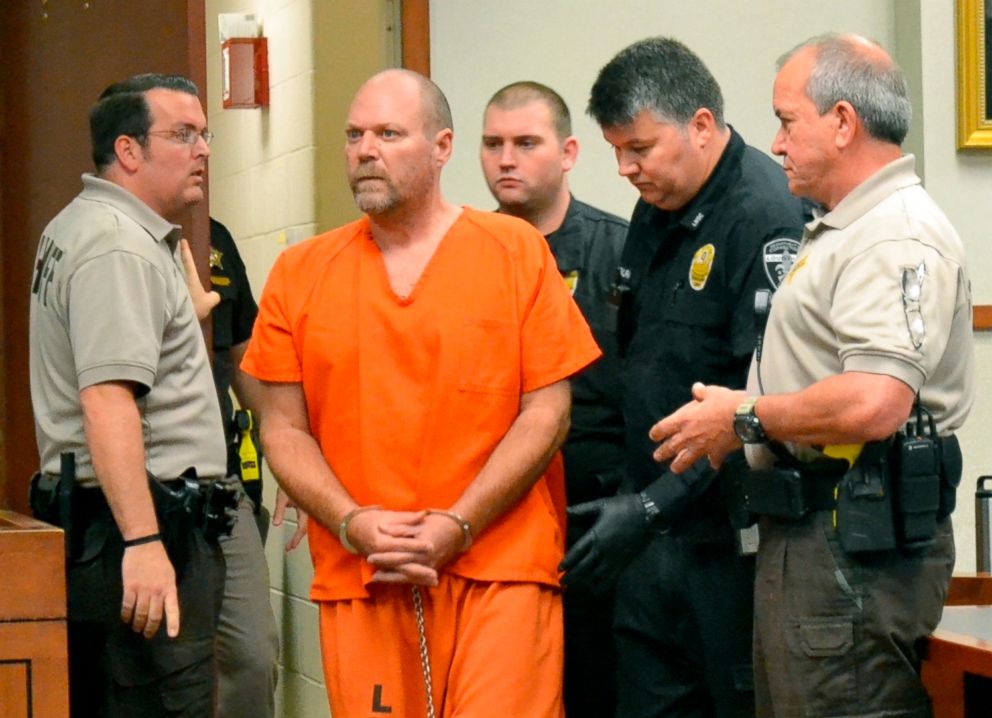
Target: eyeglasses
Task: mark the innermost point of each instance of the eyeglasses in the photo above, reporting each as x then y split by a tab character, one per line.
186	135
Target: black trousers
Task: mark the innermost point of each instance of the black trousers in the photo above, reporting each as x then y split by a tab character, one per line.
116	672
590	661
682	626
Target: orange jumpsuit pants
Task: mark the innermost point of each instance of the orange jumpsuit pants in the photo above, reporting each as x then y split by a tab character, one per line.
496	649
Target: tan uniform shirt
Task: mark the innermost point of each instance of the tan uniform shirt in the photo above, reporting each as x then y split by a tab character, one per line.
109	302
879	286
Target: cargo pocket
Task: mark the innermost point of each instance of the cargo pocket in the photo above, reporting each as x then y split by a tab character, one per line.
190	690
827	637
185	693
831	674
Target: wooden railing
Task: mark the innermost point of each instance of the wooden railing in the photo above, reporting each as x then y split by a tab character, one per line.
34	669
958	667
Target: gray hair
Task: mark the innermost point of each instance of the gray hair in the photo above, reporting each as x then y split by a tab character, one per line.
658	74
851	68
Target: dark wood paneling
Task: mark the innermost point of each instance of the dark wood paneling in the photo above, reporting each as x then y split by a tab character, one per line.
970	589
34	681
982	317
415	22
54	68
4	421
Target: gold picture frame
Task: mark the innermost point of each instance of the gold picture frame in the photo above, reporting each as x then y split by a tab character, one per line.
974	113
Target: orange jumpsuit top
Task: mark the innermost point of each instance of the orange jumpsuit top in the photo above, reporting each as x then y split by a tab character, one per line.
407	398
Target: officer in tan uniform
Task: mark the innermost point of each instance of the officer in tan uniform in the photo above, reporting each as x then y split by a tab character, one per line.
869	332
120	382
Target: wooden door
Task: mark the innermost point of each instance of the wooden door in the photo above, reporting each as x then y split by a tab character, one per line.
57	58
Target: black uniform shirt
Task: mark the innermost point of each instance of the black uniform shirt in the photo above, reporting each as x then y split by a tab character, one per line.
686	293
587	249
234	317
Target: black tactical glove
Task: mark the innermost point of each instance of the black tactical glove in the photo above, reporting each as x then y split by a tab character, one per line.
617	530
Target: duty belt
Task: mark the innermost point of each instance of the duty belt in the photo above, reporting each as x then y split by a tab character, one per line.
792	489
167	482
92	499
208	504
819	491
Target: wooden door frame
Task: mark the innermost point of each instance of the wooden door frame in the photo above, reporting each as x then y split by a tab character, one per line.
415	34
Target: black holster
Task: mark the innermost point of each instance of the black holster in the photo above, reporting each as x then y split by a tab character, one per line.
53	499
43	498
174	511
186	504
897	493
866	518
182	506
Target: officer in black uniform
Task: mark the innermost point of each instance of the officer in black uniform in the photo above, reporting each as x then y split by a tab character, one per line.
247	640
527	151
587	248
715	223
232	320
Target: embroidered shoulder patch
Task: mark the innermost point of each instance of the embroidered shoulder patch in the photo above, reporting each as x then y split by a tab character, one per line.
778	256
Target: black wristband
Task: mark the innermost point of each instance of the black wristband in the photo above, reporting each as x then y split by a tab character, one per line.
142	540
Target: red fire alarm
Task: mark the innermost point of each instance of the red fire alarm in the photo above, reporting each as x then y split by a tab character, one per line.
246	72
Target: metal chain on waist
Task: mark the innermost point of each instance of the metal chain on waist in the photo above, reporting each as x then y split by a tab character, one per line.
425	660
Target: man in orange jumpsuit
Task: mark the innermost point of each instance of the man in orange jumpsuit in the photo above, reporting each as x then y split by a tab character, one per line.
415	367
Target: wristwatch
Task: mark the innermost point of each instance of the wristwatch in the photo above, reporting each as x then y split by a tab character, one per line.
747	425
652	514
651	510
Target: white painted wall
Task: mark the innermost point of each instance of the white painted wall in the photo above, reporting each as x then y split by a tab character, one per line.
962	185
477	46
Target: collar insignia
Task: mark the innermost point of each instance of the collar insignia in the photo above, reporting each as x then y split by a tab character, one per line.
572	281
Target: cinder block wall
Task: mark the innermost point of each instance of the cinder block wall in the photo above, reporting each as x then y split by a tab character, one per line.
276	178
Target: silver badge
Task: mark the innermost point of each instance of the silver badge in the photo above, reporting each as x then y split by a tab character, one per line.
912	294
778	256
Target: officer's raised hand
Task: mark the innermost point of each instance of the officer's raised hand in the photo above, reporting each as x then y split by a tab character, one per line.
618	530
203	301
